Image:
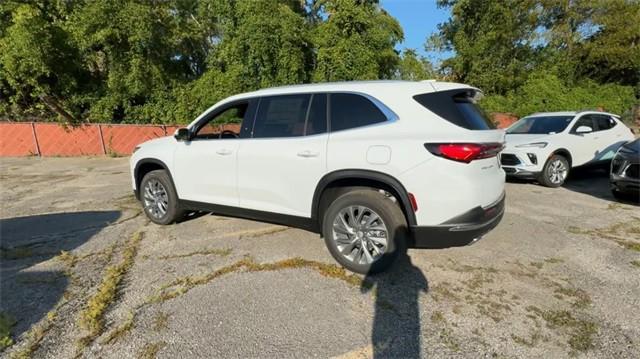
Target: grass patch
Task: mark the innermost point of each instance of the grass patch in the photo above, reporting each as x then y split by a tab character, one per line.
15	253
121	330
531	342
68	258
635	263
161	321
618	232
554	260
6	323
538	265
437	317
34	337
150	350
91	317
581	298
182	285
221	252
580	331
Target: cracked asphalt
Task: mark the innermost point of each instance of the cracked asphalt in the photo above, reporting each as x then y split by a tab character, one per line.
559	277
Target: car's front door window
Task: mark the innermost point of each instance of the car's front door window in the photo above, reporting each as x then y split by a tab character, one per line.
225	124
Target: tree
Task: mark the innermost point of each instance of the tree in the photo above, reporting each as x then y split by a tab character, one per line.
413	67
355	42
495	42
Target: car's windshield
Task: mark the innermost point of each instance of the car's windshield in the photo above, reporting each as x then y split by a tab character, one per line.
540	125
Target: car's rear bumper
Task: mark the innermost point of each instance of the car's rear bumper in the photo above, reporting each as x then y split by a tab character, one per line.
462	230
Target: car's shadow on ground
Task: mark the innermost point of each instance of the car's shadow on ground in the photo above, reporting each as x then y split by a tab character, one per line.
28	293
593	181
396	325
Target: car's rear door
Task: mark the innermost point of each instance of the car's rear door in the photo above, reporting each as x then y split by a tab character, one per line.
279	167
608	137
205	168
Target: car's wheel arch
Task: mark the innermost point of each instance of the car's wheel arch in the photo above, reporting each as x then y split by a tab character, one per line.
348	178
564	153
146	165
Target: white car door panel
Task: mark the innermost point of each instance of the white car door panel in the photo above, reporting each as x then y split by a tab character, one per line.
584	147
205	171
279	167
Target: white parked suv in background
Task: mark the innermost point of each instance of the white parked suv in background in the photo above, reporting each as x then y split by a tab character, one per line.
372	166
545	146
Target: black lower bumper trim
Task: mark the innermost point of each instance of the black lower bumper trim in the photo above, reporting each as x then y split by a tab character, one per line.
459	231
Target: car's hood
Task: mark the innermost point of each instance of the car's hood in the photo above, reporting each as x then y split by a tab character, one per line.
517	139
161	141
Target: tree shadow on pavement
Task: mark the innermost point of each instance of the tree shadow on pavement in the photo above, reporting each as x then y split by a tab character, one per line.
27	292
396	325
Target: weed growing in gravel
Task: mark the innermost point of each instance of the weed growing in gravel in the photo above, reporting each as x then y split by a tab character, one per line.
182	285
150	350
15	253
35	336
161	321
6	323
534	339
91	318
621	233
120	330
580	331
635	263
221	252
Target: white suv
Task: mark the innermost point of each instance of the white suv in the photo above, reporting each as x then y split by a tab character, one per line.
545	146
372	166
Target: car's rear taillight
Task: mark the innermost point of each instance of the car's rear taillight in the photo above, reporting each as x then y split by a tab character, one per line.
464	152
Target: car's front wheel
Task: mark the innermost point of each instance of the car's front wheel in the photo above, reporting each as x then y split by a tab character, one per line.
364	230
159	198
555	171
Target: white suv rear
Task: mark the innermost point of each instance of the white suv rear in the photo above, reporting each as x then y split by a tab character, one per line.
372	166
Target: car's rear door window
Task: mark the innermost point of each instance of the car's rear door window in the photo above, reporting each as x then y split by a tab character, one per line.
352	110
604	122
281	116
457	107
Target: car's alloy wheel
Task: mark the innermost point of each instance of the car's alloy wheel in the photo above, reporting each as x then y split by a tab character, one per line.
557	171
360	234
155	199
159	198
364	230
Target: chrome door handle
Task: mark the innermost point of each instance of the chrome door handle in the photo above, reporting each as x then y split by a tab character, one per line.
307	154
223	152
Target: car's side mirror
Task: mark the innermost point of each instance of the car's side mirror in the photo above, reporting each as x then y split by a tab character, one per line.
182	134
584	129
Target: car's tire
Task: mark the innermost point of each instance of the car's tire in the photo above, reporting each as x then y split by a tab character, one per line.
349	241
554	172
159	199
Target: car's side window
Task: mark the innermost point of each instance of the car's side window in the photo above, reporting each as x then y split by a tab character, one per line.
317	117
223	125
353	110
281	116
586	120
604	122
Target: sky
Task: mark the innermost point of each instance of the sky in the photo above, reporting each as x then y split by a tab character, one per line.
418	18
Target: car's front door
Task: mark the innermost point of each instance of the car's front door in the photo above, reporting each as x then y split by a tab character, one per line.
607	136
281	164
584	147
205	168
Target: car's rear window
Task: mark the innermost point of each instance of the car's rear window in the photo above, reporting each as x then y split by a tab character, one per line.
456	107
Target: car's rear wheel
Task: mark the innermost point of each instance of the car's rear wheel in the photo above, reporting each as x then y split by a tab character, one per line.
364	230
555	171
159	198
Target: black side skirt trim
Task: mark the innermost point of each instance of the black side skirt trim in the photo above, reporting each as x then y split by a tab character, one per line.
262	216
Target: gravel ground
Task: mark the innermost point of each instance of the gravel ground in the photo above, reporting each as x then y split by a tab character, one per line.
84	274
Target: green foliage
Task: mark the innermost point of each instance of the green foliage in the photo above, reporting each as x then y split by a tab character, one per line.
413	67
167	61
6	323
546	92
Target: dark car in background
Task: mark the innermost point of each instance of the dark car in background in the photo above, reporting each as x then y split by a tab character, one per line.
625	168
